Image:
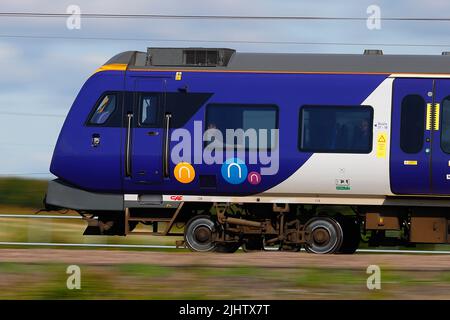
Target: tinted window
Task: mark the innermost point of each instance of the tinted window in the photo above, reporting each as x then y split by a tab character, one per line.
336	129
148	110
183	105
445	131
412	123
104	109
257	117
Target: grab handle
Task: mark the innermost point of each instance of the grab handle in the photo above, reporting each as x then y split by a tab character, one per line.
166	146
128	146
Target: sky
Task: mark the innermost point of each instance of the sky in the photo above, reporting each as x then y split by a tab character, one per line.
40	77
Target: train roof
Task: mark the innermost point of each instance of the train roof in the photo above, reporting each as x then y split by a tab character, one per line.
372	61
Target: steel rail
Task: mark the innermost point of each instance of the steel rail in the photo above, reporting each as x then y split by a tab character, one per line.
145	246
35	216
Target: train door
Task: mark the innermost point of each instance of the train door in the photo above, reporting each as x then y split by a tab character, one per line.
411	142
440	160
144	139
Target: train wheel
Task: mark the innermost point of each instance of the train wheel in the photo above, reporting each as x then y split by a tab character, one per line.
199	234
227	247
326	235
352	234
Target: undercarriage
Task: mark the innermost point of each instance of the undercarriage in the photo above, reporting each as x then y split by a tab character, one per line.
225	227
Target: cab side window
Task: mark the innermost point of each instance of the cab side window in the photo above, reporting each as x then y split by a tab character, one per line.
148	110
104	110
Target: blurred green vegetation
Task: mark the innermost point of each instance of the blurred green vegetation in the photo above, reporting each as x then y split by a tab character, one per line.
69	231
147	281
26	193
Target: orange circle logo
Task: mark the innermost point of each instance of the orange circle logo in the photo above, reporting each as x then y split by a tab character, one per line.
184	172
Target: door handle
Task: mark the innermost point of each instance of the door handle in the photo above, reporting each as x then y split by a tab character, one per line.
95	140
128	146
153	133
166	146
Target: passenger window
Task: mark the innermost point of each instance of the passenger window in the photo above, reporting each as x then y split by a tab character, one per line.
104	110
261	119
336	129
149	110
412	123
445	131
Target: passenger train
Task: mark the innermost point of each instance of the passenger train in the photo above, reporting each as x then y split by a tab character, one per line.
234	149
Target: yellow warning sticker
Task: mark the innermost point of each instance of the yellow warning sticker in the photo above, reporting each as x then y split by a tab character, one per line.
381	144
178	75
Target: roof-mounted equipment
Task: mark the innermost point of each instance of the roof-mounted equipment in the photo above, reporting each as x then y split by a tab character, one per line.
373	52
189	57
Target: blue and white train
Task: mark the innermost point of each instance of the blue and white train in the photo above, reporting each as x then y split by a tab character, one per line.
237	149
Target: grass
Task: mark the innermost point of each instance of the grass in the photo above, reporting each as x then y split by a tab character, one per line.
22	193
314	277
142	281
145	270
445	277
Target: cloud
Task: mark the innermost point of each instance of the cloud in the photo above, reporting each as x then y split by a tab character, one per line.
14	66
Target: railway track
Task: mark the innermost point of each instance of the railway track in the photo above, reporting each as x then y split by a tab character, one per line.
36	216
144	246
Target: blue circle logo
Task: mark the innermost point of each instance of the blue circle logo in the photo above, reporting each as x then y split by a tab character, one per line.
234	171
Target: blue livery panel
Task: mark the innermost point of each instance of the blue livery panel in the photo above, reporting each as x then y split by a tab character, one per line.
103	168
75	160
419	164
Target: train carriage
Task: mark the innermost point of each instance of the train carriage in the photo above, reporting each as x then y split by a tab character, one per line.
256	149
